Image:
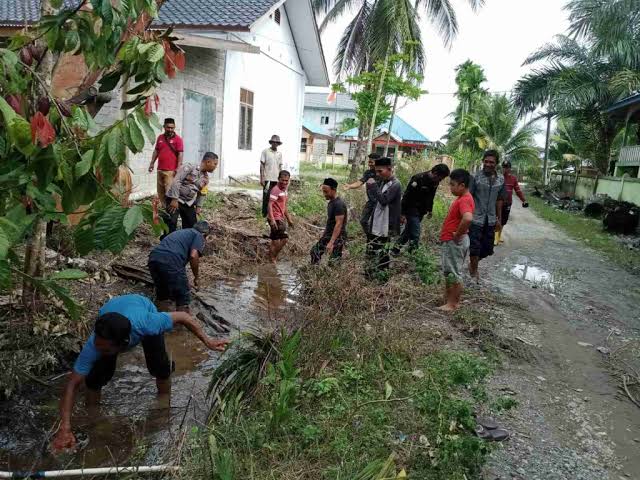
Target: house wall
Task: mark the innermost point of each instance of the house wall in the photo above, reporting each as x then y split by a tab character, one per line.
315	115
626	189
204	74
276	78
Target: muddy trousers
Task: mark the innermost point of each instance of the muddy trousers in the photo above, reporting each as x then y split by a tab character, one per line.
378	255
155	355
320	248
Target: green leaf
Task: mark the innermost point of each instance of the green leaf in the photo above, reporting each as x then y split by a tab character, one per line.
142	88
84	165
9	57
5	275
145	47
155	53
115	146
83	239
20	135
107	12
110	81
72	41
4	245
136	135
63	294
68	274
144	123
45	165
132	219
56	3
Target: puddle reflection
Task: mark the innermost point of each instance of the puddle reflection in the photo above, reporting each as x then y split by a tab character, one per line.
535	275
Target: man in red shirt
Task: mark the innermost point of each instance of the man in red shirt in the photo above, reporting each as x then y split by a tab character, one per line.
455	238
278	215
169	152
511	185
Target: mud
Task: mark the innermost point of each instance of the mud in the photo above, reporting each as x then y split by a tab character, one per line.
572	421
133	424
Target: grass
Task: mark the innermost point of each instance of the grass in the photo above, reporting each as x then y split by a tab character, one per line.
588	231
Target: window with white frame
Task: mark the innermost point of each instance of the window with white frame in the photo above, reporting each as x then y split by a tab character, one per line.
245	133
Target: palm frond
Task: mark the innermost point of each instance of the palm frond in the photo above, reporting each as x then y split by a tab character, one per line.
335	12
352	54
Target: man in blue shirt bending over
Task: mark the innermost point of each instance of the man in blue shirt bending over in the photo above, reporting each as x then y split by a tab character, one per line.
123	322
167	263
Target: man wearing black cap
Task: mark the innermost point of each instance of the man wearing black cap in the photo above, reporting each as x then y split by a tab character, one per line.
167	263
335	233
385	221
270	167
123	322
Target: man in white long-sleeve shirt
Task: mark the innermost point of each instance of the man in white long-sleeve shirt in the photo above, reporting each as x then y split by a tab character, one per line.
270	167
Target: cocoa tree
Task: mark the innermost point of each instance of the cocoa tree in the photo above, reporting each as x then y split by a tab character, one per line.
55	157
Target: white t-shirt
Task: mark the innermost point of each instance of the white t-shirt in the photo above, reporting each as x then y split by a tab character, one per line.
271	163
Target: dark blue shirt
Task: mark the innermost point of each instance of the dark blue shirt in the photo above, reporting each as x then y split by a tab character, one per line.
175	249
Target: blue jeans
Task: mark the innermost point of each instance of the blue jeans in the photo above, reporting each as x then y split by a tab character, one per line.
411	232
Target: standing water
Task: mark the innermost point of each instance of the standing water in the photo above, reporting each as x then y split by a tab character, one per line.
133	424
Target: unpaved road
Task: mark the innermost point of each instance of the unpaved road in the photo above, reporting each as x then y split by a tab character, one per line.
572	422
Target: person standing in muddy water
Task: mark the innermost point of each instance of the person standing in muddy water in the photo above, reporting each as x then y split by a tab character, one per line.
385	221
278	215
270	167
335	233
123	322
167	264
511	185
488	191
169	151
367	211
187	192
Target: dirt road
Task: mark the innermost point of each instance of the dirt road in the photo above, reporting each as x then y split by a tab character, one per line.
572	422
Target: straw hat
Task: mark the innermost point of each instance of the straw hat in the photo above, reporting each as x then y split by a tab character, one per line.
275	139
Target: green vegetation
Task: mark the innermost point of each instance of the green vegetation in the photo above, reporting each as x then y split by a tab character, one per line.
588	231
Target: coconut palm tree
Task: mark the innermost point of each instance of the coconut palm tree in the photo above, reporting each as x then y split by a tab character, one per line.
597	63
383	27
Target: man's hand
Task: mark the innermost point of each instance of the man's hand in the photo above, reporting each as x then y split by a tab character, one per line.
457	238
195	283
63	440
173	206
371	181
217	345
198	210
525	204
330	247
151	168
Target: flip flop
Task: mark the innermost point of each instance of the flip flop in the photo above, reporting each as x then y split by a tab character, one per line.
496	435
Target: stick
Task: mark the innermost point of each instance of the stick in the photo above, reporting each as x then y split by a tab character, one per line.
403	399
81	472
626	389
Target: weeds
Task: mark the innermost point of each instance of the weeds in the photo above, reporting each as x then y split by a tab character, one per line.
426	265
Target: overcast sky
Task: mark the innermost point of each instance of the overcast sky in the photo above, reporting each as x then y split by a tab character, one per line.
499	37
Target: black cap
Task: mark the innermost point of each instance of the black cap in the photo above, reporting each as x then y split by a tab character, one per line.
383	162
330	182
202	227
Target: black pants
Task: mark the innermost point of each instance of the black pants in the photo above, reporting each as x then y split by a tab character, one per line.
506	211
320	248
365	218
265	196
378	259
187	214
170	284
155	355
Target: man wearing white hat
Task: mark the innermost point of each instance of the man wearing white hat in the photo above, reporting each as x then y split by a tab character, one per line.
270	167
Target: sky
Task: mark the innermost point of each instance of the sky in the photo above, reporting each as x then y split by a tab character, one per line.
498	37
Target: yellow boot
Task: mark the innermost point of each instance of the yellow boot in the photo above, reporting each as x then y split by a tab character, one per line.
496	238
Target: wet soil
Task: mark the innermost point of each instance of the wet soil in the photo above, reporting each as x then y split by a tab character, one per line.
133	424
572	421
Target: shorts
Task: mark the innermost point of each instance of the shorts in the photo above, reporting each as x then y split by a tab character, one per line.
279	232
170	283
482	238
506	210
453	258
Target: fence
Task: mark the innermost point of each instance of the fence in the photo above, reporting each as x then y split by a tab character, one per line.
583	187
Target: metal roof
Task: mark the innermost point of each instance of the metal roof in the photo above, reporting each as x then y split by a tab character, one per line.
314	128
319	100
624	103
401	130
239	14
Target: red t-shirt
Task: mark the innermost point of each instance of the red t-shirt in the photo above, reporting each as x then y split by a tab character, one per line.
167	158
278	198
459	207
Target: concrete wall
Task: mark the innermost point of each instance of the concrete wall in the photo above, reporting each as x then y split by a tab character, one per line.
204	73
315	115
276	78
619	188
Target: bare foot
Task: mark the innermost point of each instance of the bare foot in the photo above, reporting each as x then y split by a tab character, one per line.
448	307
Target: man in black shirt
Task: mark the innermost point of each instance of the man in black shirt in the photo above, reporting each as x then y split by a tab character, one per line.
335	233
369	207
417	202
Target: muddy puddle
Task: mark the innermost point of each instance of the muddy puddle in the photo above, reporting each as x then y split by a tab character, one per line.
133	425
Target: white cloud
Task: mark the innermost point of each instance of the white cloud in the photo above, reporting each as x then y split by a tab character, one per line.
499	37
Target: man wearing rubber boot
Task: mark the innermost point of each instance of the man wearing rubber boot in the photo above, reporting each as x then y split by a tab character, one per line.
123	322
167	264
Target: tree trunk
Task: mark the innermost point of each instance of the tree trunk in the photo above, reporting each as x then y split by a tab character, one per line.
34	257
393	117
372	126
361	153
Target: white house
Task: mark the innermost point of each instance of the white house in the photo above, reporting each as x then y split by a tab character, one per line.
247	65
318	110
